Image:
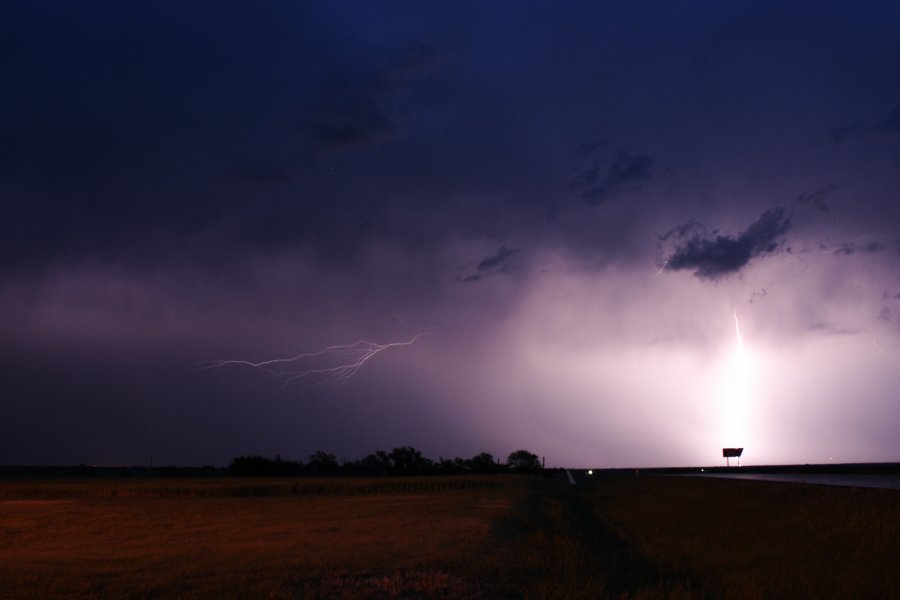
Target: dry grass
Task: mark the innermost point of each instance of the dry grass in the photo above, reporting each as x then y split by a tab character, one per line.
228	488
213	539
755	539
447	537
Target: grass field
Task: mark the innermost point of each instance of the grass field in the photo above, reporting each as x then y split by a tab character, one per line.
757	539
446	537
228	538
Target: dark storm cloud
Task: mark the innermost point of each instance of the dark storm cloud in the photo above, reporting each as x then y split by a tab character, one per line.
183	182
588	148
350	108
623	173
889	124
850	248
831	329
122	117
494	264
128	128
347	111
817	197
714	256
758	295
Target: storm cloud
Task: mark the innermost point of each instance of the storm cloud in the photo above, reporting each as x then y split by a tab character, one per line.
185	183
717	255
850	248
494	264
818	197
624	172
888	125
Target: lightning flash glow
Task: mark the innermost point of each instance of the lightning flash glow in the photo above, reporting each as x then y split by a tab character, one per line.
734	391
333	365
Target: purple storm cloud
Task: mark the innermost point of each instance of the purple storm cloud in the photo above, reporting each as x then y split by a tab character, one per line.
575	202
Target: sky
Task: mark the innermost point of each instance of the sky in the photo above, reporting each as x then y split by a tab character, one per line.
615	234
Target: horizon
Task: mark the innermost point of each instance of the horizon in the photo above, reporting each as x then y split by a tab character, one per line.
497	459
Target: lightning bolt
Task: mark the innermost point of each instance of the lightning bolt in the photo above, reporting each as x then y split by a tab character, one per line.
734	391
342	362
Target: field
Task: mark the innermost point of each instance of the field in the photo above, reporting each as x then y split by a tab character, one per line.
446	537
757	539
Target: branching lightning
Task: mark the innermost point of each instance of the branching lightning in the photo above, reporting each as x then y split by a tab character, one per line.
333	365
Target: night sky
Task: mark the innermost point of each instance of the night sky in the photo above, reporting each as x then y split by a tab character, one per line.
611	233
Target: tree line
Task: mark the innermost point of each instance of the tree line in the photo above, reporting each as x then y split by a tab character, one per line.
400	461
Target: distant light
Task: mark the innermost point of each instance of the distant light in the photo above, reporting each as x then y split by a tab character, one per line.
590	472
701	470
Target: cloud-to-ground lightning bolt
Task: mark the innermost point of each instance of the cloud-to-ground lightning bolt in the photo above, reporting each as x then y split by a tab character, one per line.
734	391
349	358
737	331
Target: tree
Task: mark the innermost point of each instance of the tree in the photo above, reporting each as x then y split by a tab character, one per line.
377	463
451	466
523	460
406	460
482	463
250	466
322	463
257	466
